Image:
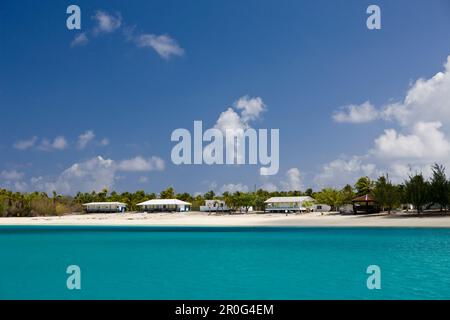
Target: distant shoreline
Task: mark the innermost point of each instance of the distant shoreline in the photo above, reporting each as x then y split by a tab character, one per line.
193	219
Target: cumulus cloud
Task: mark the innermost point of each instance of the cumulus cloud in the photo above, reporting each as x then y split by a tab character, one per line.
26	144
251	108
85	138
421	138
58	143
230	120
293	181
247	109
233	187
11	175
235	120
362	113
141	164
95	174
427	100
342	171
13	180
20	186
425	142
106	22
104	142
164	45
80	39
269	186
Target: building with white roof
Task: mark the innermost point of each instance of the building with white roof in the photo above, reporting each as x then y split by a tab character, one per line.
214	206
164	205
104	207
288	204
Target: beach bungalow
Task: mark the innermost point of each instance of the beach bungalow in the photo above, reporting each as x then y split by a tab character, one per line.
288	204
320	208
164	205
104	207
214	206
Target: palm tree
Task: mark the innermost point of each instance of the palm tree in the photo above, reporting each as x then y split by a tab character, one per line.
364	186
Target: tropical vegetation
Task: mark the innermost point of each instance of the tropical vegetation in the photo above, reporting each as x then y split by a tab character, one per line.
416	190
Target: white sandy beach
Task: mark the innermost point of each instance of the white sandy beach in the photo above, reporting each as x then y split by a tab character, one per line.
203	219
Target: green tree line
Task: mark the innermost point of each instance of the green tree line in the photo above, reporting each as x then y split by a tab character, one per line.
415	190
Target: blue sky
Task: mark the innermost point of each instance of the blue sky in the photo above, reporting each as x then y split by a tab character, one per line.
308	62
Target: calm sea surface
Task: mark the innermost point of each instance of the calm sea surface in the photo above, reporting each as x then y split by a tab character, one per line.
223	263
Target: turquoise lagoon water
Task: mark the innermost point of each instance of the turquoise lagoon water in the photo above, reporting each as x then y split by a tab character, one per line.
223	263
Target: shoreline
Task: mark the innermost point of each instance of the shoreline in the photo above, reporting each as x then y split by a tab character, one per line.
201	219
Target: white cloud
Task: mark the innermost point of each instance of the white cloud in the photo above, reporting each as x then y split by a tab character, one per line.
399	171
88	137
11	175
45	145
230	120
104	142
231	188
426	142
106	22
85	138
26	144
35	180
157	163
422	136
269	186
12	180
290	182
251	108
95	174
427	100
20	186
235	122
59	143
293	180
80	39
164	45
140	164
341	171
362	113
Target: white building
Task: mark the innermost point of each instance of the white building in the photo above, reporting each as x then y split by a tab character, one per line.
221	206
289	204
105	207
164	205
321	208
214	206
